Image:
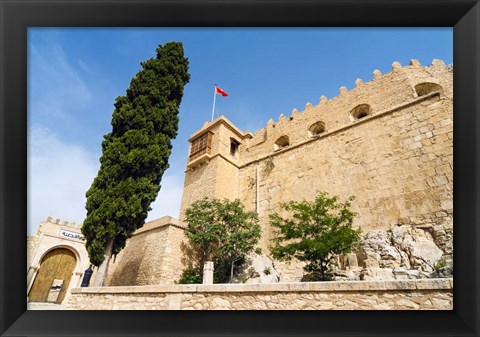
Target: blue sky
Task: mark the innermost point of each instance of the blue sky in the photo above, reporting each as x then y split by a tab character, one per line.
74	76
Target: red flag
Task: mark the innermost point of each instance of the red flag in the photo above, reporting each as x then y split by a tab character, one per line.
220	91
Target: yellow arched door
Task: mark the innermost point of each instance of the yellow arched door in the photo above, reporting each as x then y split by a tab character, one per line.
53	277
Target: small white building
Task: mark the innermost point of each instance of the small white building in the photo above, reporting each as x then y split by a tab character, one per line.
56	260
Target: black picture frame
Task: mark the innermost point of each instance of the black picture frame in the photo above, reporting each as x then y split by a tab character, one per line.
17	16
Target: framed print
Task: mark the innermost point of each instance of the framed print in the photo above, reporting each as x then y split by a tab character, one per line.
18	18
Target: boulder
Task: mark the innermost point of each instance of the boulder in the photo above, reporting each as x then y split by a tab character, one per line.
377	274
256	269
352	274
419	246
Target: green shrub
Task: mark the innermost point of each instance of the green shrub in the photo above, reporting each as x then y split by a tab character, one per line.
316	233
440	264
191	276
223	232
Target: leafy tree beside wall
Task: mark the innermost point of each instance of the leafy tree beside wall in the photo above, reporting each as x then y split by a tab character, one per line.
220	231
134	155
316	233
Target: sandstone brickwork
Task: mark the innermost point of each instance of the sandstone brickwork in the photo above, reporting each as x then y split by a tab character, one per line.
152	255
432	294
215	173
388	142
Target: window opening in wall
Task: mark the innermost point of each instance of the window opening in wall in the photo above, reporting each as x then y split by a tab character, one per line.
234	144
426	88
361	111
316	129
281	143
200	146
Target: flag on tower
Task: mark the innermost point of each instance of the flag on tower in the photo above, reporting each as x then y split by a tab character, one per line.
218	90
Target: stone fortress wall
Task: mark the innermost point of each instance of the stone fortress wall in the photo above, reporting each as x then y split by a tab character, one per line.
153	255
388	142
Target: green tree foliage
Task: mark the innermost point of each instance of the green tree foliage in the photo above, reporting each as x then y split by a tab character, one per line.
191	276
315	233
135	153
221	231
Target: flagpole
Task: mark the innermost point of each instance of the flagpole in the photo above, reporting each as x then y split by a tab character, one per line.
214	95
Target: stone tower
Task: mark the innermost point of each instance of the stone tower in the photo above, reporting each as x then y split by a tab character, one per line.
213	162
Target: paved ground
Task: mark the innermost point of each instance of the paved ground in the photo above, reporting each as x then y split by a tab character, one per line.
45	306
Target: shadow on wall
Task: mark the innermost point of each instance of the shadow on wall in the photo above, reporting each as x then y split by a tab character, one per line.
190	257
126	265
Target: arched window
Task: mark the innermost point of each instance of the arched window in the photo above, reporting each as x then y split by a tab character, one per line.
316	129
361	111
281	143
426	88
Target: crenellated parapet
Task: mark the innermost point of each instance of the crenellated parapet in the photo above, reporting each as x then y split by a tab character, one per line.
387	140
62	222
403	84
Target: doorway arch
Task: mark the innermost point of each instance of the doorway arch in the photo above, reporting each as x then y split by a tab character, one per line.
56	269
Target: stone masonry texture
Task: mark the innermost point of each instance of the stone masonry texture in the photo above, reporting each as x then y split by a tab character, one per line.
397	160
432	294
152	256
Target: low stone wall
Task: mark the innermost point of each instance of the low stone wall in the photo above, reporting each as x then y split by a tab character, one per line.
425	294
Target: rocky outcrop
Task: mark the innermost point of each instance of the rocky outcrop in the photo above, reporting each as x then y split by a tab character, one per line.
407	251
256	269
403	252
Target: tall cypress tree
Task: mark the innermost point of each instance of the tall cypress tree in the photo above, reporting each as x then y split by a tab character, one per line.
134	155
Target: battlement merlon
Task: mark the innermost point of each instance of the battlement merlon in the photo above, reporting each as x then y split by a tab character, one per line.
60	222
402	84
53	225
399	86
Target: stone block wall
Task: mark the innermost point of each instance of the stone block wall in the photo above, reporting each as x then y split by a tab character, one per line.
213	175
432	294
199	183
384	92
153	255
403	175
397	160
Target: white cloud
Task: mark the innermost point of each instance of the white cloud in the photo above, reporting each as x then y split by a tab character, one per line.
52	63
56	86
59	174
